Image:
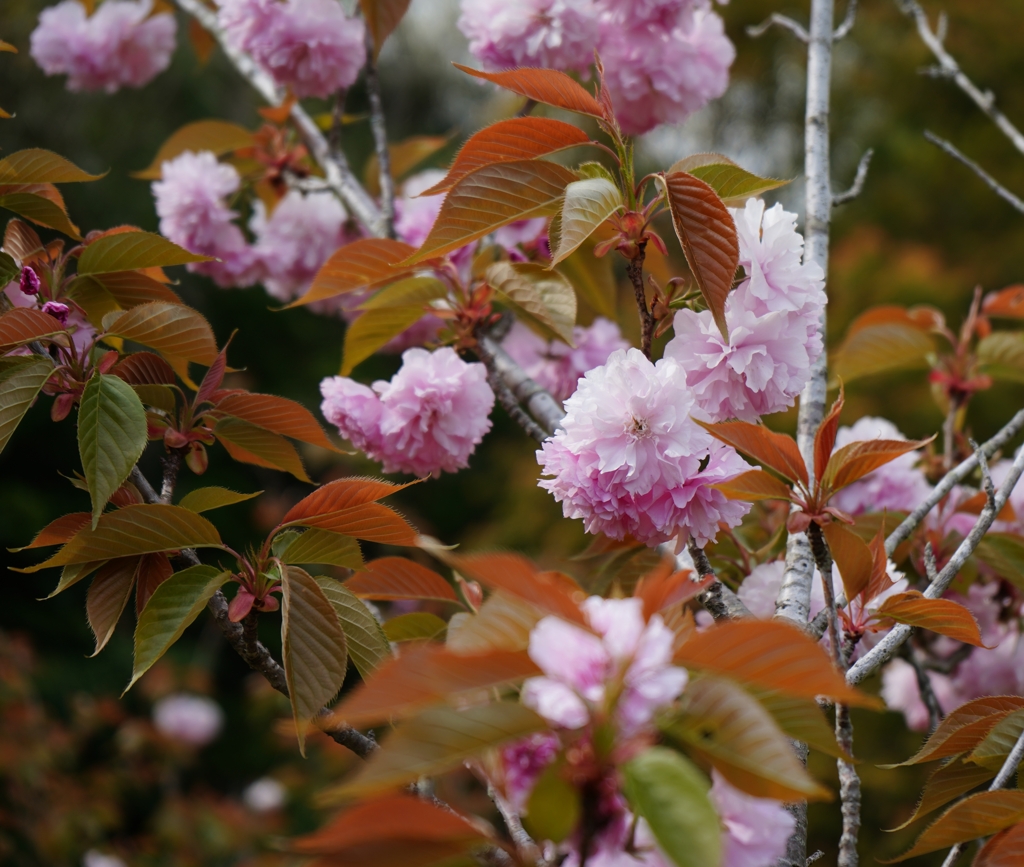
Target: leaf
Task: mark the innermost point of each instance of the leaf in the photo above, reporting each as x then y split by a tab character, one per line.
172	329
25	324
429	674
774	450
802	720
939	615
707	233
382	17
754	485
409	292
883	339
492	197
204	499
392	578
37	166
111	436
553	809
363	264
109	592
416	626
543	85
438	739
510	140
340	495
250	444
144	368
153	570
40	203
593	279
672	795
58	531
405	156
325	548
503	622
975	816
732	183
132	288
770	655
372	329
129	251
952	736
372	523
999	742
1007	302
852	557
544	299
218	136
277	414
367	645
946	784
19	386
740	738
313	647
22	242
666	586
856	460
587	204
141	529
1005	849
1001	355
9	269
1004	552
171	609
825	437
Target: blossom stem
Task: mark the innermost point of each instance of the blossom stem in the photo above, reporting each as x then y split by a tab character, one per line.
635	271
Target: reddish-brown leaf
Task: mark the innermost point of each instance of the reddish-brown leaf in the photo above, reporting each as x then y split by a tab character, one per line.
1008	302
174	330
939	615
340	495
382	17
396	853
428	674
852	556
152	571
707	233
755	485
946	784
25	324
1005	849
144	368
277	414
666	586
880	580
371	522
975	816
543	85
966	727
392	578
492	197
363	264
885	338
770	655
212	380
58	531
519	138
250	444
825	437
22	242
774	450
856	460
132	288
108	596
976	502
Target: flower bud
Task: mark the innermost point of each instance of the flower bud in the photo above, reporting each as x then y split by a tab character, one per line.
197	459
57	310
29	282
62	406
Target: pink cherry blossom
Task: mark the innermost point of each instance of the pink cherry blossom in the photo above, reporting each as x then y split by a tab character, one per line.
296	239
555	365
629	460
523	762
429	418
29	282
901	693
58	310
899	486
556	34
120	45
190	203
773	318
191	719
755	829
309	46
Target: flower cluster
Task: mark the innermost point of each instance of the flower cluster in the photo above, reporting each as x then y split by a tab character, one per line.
773	317
663	59
122	44
629	460
555	365
429	418
309	46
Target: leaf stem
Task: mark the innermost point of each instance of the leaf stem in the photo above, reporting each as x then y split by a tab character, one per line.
635	271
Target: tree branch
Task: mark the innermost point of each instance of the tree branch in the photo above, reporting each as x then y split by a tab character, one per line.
783	21
541	405
992	183
858	180
380	140
635	272
843	30
506	397
924	687
718	600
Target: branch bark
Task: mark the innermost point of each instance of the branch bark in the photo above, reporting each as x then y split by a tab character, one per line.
990	181
718	600
380	140
635	272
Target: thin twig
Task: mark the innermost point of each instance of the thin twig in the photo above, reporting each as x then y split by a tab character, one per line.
380	140
924	687
843	30
635	272
784	21
849	780
718	600
858	180
992	183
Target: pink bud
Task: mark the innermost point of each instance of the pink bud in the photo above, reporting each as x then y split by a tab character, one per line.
241	605
197	459
57	310
108	361
29	283
174	439
62	406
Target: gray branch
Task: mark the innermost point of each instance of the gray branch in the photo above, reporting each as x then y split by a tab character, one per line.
949	68
843	30
380	140
858	180
990	181
542	406
777	20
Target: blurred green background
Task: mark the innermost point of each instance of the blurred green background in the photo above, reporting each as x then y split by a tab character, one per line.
924	231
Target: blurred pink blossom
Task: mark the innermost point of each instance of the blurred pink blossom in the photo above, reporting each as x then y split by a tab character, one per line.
629	460
120	45
755	829
428	419
191	719
523	762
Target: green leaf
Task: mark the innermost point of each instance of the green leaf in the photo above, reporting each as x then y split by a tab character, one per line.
111	436
410	292
438	739
1002	355
733	184
73	574
109	592
172	608
1004	552
129	251
313	647
322	547
38	166
204	499
553	810
417	626
19	385
367	645
177	331
40	205
594	169
251	444
672	795
9	269
881	340
587	204
372	330
998	743
802	720
544	299
141	529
